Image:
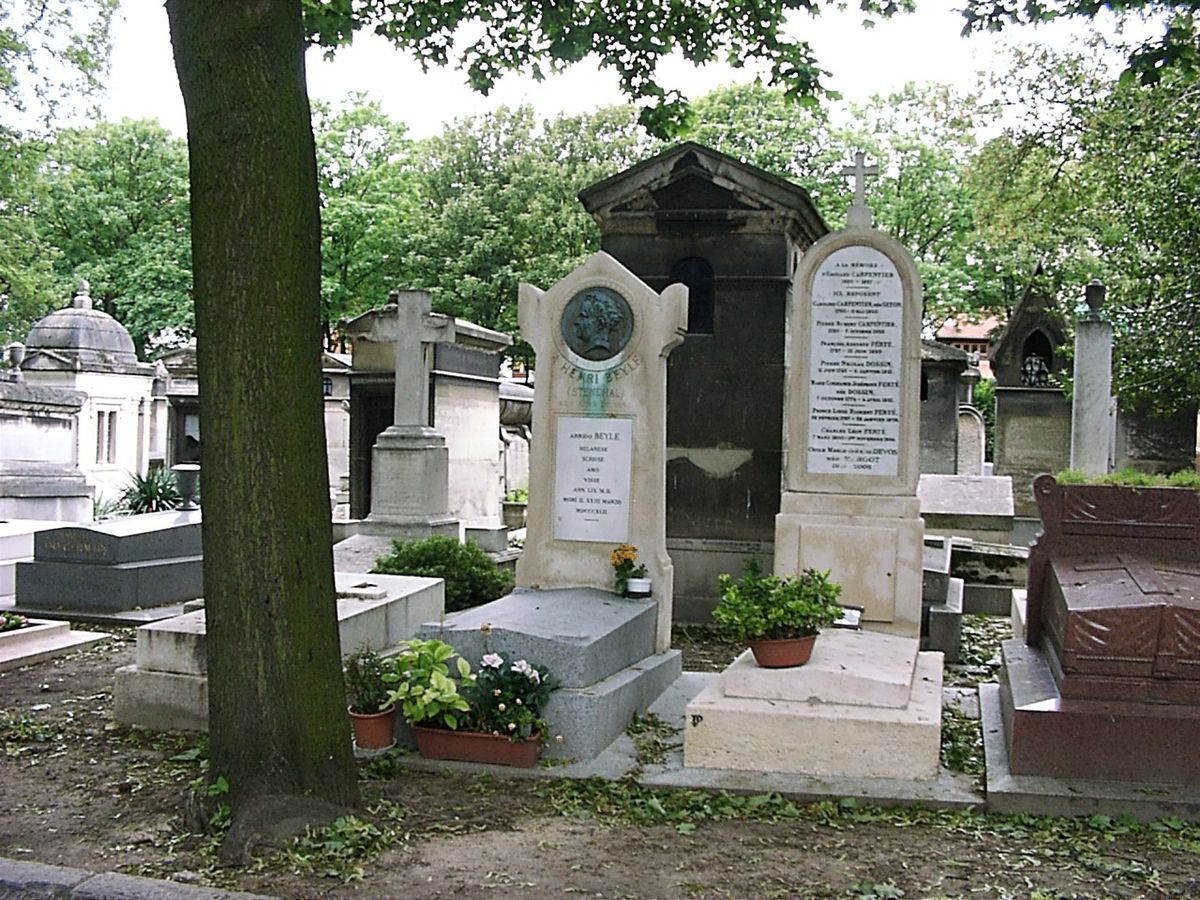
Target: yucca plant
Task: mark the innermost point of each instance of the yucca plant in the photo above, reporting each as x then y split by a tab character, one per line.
155	491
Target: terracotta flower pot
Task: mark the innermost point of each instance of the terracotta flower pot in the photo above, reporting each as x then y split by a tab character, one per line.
782	653
374	731
472	746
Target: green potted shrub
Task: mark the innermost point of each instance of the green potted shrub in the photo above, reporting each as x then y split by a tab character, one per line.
368	695
471	577
494	716
779	617
516	503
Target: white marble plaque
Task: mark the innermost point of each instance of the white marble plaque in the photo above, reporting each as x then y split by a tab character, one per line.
592	464
855	364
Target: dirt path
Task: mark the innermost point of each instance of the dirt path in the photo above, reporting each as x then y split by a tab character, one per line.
78	790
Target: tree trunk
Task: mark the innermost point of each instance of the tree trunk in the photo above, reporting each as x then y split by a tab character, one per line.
277	711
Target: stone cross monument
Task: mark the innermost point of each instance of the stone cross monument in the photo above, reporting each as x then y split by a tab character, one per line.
409	462
852	417
598	459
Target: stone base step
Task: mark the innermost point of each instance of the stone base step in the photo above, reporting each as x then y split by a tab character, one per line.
1045	795
1067	737
591	718
167	688
942	628
43	584
583	635
808	721
41	640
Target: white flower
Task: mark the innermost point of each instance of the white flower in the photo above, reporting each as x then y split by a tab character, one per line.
519	701
497	692
512	726
522	667
492	661
502	707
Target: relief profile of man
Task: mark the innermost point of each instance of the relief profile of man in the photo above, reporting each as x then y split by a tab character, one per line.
597	324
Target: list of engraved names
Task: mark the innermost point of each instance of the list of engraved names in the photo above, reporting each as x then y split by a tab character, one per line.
592	466
855	365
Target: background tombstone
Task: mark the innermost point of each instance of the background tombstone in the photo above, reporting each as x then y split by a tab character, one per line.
972	440
599	428
39	473
733	233
1092	400
410	466
942	368
852	422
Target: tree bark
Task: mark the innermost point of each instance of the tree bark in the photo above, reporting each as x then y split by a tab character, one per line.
277	712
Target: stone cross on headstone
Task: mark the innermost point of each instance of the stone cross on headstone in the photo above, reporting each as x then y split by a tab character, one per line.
859	213
409	462
852	420
414	328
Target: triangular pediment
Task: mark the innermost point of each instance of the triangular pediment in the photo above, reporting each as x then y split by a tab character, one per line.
690	179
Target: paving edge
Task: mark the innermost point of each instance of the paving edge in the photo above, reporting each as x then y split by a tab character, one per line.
38	881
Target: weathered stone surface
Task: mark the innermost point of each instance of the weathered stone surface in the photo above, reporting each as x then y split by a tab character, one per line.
583	635
812	738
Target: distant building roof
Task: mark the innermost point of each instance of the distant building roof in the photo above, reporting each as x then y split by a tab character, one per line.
961	327
83	339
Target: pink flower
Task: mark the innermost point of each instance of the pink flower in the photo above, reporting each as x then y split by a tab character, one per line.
492	661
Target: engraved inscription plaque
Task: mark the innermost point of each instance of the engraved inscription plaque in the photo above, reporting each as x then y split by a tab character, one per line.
593	463
855	364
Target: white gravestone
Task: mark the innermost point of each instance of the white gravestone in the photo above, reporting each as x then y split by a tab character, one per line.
852	418
598	459
410	465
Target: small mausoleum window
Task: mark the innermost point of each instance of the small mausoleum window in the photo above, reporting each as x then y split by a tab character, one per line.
326	386
1036	355
697	274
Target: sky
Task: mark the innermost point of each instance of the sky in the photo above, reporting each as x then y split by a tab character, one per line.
921	47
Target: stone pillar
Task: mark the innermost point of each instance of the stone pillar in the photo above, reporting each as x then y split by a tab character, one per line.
1091	399
598	460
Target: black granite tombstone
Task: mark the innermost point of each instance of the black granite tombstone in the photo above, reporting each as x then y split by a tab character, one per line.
734	234
132	563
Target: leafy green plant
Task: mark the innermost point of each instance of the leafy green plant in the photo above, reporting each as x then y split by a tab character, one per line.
470	574
506	696
1132	478
653	738
517	495
339	849
424	689
756	606
366	690
107	507
962	742
155	491
11	621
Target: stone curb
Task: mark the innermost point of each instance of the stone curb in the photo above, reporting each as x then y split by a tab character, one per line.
36	881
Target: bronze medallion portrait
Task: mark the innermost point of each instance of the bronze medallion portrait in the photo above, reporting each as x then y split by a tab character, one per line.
597	324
